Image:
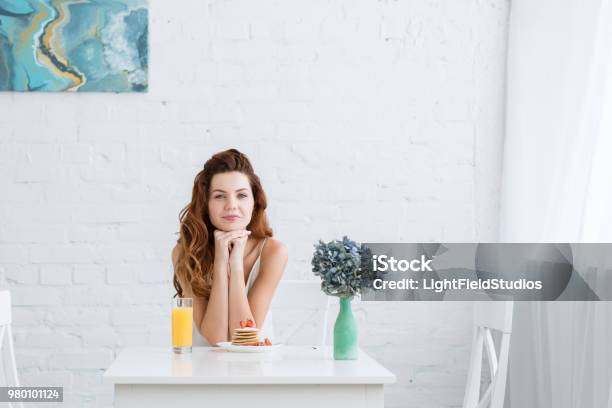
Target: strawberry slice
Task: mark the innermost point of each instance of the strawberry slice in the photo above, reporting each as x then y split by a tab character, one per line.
243	324
249	323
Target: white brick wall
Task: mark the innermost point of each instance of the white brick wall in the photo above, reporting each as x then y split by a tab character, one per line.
377	119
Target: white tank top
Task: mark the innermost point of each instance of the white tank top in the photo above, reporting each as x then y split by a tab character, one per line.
268	328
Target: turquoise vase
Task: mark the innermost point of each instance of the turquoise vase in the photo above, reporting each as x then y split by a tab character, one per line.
345	333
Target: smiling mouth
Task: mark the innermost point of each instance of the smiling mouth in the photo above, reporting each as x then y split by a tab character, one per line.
231	218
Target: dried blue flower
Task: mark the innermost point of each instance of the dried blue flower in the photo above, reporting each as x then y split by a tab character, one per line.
345	267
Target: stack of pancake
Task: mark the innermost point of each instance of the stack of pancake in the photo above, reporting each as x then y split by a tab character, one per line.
245	336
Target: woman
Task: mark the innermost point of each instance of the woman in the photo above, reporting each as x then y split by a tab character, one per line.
226	258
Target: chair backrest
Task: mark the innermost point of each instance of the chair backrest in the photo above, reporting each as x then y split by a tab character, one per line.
301	312
5	307
7	353
489	316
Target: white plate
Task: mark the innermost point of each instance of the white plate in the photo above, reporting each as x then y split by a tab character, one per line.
227	345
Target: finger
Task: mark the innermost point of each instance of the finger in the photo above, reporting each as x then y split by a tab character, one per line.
234	233
243	237
232	237
222	233
238	241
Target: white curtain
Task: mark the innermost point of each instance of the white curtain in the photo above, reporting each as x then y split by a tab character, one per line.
557	187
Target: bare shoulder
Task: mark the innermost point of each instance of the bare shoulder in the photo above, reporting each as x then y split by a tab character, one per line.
274	249
273	260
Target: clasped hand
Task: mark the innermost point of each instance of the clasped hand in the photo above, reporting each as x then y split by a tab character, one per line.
229	249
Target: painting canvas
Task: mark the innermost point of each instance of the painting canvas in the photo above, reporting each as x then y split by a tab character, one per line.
74	45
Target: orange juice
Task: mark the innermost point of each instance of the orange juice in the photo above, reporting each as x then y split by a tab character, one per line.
182	318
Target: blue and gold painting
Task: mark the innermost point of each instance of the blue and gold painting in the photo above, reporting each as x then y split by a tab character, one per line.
74	45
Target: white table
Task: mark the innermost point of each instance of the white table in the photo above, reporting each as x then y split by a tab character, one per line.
292	376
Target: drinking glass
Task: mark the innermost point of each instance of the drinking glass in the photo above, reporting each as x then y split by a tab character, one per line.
182	320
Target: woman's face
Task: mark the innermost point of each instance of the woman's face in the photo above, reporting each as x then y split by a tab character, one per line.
230	201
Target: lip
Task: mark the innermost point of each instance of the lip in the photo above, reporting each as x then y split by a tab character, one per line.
231	218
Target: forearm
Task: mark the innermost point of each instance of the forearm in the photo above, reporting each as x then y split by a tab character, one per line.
214	325
239	308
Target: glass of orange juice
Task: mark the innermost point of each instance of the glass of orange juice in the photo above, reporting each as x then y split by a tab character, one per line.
182	320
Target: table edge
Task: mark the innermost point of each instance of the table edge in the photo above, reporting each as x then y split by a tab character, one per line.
247	381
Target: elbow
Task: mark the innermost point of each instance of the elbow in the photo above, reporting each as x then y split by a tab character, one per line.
213	338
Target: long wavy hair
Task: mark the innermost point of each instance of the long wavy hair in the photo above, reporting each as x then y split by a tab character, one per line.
196	236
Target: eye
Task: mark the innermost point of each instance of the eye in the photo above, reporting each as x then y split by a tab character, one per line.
218	196
242	195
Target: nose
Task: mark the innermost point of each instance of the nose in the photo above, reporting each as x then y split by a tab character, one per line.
231	203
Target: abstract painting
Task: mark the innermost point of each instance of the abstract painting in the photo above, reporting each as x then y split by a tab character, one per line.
74	45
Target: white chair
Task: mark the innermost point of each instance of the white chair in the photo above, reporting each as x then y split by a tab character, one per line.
9	366
489	316
301	311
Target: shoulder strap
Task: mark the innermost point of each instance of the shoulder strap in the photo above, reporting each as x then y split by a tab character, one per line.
255	269
262	246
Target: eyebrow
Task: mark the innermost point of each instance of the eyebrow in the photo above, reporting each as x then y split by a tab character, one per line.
222	191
